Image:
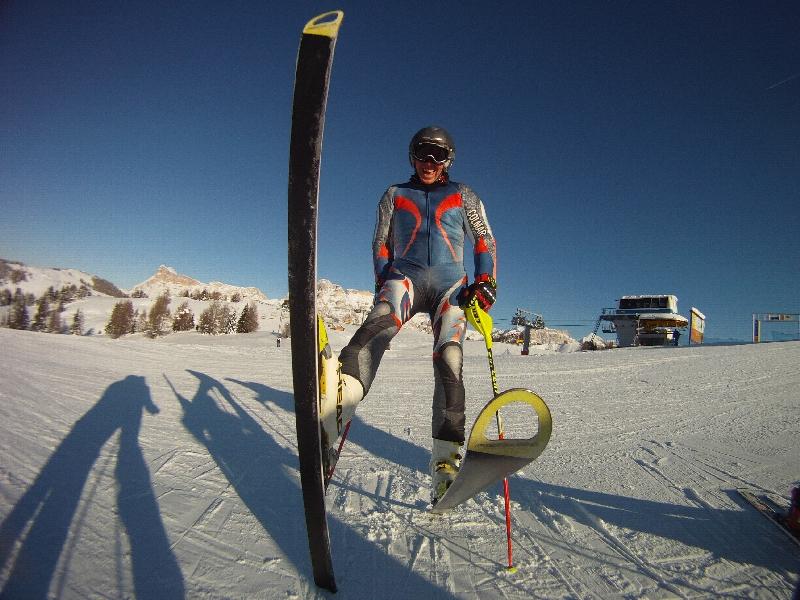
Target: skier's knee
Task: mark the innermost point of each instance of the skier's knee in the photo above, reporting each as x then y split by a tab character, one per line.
361	357
449	396
449	360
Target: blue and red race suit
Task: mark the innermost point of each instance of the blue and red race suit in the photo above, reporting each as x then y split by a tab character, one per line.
418	253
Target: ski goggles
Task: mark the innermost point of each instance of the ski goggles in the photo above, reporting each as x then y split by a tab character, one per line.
427	152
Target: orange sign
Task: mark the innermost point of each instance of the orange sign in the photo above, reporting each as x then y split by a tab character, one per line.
697	326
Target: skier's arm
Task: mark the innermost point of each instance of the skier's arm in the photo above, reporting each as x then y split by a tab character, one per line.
478	229
381	248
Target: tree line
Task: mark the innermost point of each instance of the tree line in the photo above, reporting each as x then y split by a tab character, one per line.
196	294
218	318
46	314
47	309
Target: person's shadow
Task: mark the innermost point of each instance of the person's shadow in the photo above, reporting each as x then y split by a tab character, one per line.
48	507
262	473
739	536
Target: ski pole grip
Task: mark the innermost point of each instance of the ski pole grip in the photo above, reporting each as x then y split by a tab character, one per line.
481	321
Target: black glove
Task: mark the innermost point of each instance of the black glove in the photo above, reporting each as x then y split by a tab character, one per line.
484	292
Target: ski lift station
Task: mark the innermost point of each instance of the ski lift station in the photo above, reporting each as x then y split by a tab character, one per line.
644	320
527	320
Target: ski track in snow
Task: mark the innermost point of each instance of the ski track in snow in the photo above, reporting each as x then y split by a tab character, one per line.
168	469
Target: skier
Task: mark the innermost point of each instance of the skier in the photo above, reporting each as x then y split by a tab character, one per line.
422	228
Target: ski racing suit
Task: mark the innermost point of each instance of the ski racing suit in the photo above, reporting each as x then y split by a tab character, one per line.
418	248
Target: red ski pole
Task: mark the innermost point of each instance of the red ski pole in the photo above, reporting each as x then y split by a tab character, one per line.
329	474
483	324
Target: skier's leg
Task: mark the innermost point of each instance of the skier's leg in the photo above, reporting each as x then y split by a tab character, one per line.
361	357
351	376
449	328
447	426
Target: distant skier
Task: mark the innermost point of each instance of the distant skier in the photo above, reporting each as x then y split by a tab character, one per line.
422	229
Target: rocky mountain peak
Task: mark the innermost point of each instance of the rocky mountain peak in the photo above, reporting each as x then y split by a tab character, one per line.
168	275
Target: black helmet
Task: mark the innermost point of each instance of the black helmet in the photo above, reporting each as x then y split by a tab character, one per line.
434	136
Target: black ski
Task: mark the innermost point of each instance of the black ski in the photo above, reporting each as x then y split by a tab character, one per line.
773	507
314	60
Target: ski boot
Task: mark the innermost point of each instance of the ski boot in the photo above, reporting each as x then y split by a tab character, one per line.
339	394
444	465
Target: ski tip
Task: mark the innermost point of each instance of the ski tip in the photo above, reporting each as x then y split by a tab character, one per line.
326	24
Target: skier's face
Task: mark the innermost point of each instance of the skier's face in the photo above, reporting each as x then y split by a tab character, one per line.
428	171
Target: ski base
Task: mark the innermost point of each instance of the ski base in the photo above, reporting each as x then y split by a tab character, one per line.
771	507
486	461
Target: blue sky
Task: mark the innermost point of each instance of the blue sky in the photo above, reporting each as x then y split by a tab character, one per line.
619	148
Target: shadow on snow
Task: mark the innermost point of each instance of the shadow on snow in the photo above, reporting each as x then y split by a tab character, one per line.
48	507
264	475
740	536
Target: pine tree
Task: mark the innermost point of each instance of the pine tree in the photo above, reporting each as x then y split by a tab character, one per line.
230	320
121	321
248	321
42	310
19	318
184	318
241	325
140	322
216	319
208	319
68	293
54	323
158	321
77	323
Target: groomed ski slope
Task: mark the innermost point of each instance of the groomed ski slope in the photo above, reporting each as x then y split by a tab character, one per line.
168	469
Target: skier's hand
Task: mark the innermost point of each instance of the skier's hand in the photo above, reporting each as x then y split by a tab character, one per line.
484	292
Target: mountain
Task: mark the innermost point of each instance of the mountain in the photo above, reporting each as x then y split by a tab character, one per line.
37	280
166	279
339	307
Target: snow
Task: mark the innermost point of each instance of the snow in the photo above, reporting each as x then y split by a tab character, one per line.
167	468
39	279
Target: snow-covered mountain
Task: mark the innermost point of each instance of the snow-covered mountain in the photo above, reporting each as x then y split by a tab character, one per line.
37	280
166	279
338	306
